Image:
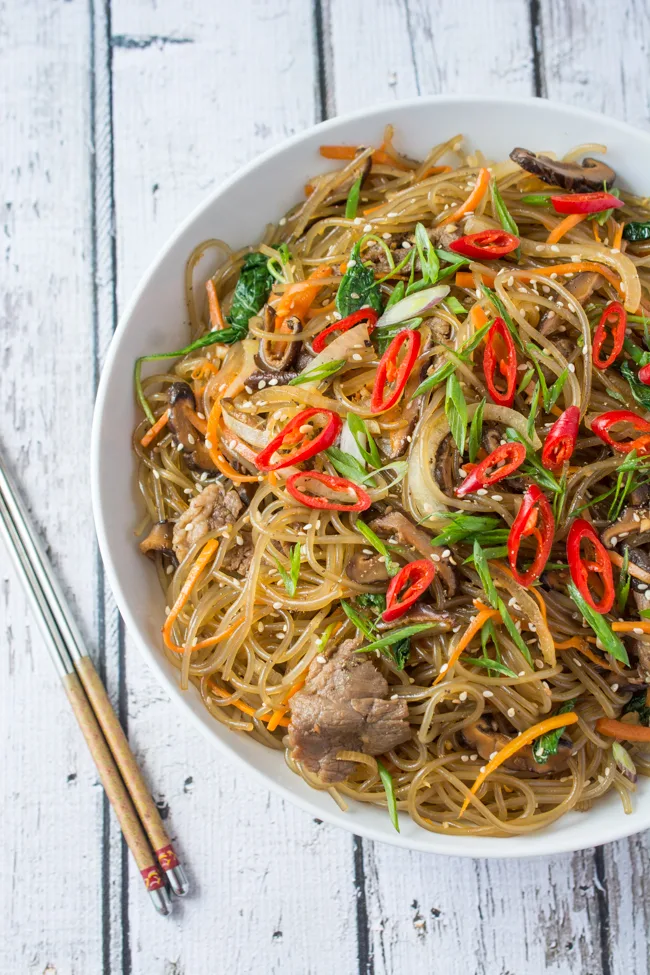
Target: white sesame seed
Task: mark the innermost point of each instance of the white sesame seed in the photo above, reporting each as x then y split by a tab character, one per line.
482	769
497	497
488	694
464	758
320	658
540	247
190	437
356	356
277	605
463	696
511	712
446	553
169	569
572	368
386	236
637	630
482	491
522	673
435	557
273	382
367	228
474	757
201	416
282	221
179	448
614	687
444	668
493	755
208	444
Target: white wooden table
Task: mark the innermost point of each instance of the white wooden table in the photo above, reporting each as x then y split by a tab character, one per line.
116	118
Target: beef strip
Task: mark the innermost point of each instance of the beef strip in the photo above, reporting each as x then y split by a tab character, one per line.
344	707
211	509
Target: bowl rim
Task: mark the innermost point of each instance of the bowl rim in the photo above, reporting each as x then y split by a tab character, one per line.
473	847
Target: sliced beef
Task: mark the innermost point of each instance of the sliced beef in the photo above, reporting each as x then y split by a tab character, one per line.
213	508
344	706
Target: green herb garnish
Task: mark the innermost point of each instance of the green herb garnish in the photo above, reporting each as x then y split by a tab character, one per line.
637	705
489	664
392	568
623	586
352	202
481	566
359	431
476	431
609	641
359	621
389	789
514	633
456	411
502	213
318	373
290	579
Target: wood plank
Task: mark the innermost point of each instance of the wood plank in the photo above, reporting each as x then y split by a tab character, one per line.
51	805
596	56
254	861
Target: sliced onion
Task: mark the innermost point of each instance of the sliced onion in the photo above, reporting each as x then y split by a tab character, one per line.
531	611
246	369
249	434
350	446
623	761
341	348
413	306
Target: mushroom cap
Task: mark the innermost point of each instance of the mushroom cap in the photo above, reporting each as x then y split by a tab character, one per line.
583	177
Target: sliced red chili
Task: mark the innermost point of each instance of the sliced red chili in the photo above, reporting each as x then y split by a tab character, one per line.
585	202
487	243
644	374
533	518
406	587
331	486
603	424
510	455
363	315
615	316
561	439
392	374
503	360
596	564
294	436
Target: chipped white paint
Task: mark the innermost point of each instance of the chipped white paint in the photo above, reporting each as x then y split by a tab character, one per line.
183	92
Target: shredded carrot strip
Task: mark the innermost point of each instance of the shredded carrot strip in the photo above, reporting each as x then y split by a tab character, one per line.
309	189
472	201
465	279
214	307
542	603
434	171
634	570
323	310
299	297
570	221
475	626
561	269
247	709
202	560
620	729
153	431
379	156
204	369
629	626
618	236
594	230
574	643
523	739
477	317
279	713
217	458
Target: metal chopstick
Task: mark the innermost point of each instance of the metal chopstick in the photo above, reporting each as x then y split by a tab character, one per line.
96	691
109	772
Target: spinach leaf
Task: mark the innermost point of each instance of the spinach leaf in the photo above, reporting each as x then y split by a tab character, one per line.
251	291
636	230
548	744
376	601
639	390
637	705
358	287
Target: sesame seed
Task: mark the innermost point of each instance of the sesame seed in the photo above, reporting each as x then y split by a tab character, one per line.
474	757
497	497
320	658
282	221
356	356
555	248
488	694
540	247
464	758
169	569
273	382
511	712
367	228
201	416
522	673
435	557
463	695
179	448
637	630
277	605
156	474
511	280
444	668
572	368
248	389
539	664
614	687
190	438
482	770
493	755
446	553
386	236
394	697
482	491
456	629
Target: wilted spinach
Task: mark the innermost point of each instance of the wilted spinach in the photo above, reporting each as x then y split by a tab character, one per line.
251	291
358	287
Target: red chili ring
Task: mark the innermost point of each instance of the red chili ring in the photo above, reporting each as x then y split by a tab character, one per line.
335	484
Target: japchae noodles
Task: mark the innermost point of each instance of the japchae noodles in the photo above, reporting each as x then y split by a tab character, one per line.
398	485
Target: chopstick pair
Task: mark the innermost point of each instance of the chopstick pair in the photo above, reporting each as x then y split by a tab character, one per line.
136	811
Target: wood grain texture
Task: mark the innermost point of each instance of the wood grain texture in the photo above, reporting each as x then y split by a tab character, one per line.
51	802
157	101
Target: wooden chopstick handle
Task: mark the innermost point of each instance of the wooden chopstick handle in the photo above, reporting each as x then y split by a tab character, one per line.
126	763
113	785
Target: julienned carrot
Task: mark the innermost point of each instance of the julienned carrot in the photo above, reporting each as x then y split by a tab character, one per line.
217	458
247	709
475	626
214	307
570	221
299	297
379	156
203	558
631	626
618	236
523	739
465	279
435	171
472	201
621	729
561	269
594	230
279	713
477	317
153	431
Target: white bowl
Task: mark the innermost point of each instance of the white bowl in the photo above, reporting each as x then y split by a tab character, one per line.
155	319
